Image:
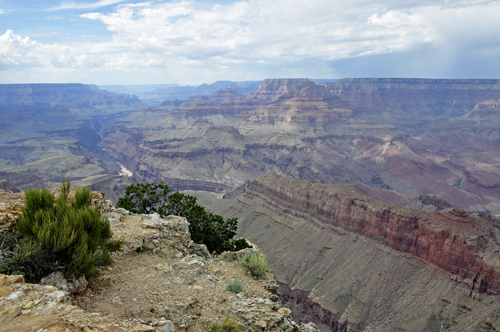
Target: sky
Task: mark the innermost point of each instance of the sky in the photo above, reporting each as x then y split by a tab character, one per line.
193	42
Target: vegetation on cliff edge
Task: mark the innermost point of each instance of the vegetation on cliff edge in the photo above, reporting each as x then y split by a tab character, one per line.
54	235
206	228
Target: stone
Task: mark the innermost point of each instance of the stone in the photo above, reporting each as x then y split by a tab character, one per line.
309	327
274	298
58	280
168	327
284	311
272	286
32	307
200	250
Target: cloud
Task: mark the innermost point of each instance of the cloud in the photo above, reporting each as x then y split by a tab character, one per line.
1	12
21	53
85	5
17	51
186	42
257	30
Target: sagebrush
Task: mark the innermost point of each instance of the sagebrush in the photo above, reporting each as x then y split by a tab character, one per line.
228	325
235	286
255	264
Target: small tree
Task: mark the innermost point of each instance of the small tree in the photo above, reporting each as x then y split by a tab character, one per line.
73	237
205	227
145	198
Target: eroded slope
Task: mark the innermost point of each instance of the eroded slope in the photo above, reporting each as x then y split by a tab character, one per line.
348	261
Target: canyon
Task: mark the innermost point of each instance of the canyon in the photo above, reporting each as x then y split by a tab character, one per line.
376	201
413	136
49	132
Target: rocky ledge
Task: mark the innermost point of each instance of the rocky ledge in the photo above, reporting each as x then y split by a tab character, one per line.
175	286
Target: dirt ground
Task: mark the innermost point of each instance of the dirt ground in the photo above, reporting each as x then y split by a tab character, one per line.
188	290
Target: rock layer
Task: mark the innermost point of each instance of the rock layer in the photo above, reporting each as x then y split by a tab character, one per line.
350	262
453	241
412	136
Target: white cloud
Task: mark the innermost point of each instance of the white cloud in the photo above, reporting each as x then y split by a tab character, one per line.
86	5
184	42
21	53
258	30
18	51
1	12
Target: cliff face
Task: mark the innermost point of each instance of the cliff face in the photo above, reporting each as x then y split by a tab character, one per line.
350	262
445	96
453	241
60	95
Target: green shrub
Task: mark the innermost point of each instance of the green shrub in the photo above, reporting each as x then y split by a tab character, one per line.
141	249
255	264
115	245
229	325
23	257
240	244
144	198
73	237
212	327
205	227
235	286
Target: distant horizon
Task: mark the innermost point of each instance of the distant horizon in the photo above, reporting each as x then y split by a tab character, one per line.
254	81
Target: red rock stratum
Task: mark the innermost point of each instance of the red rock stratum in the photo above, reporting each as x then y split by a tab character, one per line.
453	241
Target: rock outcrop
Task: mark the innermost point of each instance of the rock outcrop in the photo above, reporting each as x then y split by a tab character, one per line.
159	261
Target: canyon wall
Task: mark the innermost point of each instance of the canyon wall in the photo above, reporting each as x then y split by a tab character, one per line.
443	96
453	241
70	95
350	262
414	136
